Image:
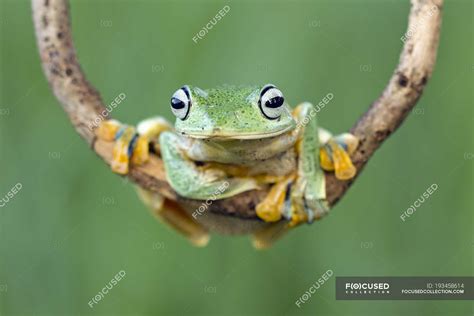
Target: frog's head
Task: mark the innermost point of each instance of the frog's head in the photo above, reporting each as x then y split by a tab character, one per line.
231	112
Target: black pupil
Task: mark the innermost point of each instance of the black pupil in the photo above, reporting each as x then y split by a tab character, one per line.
274	102
177	104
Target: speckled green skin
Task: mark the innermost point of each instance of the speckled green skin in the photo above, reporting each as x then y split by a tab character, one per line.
231	112
224	125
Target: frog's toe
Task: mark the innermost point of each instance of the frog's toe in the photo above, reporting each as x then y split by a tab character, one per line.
294	201
315	208
274	206
307	210
129	146
348	141
125	140
335	156
344	169
308	202
107	130
140	151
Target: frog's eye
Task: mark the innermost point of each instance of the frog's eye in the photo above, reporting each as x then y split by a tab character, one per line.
181	103
271	102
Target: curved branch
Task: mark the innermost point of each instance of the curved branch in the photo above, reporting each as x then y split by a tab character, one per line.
83	104
403	91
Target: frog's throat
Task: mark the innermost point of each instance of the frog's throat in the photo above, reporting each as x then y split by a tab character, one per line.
222	135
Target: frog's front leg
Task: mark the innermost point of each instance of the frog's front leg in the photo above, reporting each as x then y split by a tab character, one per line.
192	181
317	150
308	194
131	145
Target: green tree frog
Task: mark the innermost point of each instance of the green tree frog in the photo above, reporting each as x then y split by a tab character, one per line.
229	140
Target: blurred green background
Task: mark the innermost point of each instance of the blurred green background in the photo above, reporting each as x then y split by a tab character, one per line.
74	224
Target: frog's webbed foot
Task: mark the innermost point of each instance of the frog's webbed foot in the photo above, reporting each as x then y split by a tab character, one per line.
291	201
175	216
294	199
131	145
277	202
335	154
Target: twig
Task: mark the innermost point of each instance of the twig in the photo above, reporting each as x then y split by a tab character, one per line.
83	104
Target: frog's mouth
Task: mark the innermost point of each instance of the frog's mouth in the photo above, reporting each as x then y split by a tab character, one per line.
219	134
